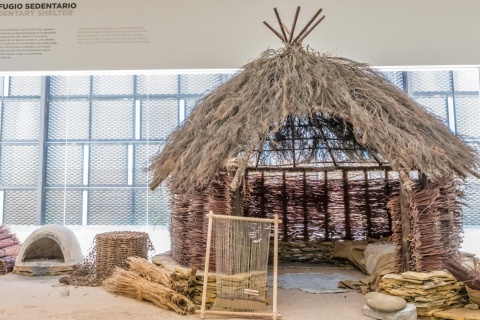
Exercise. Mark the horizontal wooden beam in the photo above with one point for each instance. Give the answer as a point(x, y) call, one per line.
point(319, 169)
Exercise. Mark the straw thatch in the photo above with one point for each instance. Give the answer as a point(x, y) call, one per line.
point(307, 107)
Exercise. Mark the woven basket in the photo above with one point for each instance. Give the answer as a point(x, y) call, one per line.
point(473, 294)
point(113, 249)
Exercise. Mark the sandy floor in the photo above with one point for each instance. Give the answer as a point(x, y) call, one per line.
point(44, 298)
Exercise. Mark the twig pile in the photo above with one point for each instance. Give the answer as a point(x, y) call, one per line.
point(145, 281)
point(9, 249)
point(463, 273)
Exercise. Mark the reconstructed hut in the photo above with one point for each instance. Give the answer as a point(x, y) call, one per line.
point(328, 144)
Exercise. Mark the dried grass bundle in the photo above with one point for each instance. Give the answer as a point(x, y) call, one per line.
point(10, 251)
point(131, 284)
point(343, 99)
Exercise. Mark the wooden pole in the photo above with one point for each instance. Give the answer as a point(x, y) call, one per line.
point(294, 24)
point(346, 200)
point(275, 267)
point(311, 29)
point(207, 262)
point(305, 209)
point(367, 205)
point(307, 25)
point(285, 206)
point(405, 196)
point(274, 31)
point(281, 25)
point(325, 205)
point(387, 196)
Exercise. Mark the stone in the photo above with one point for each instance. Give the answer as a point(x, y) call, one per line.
point(472, 306)
point(408, 313)
point(384, 302)
point(458, 314)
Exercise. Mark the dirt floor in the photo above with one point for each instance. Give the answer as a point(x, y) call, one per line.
point(45, 298)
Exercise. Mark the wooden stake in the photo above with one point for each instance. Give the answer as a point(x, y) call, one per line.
point(308, 25)
point(274, 31)
point(294, 24)
point(281, 25)
point(207, 262)
point(275, 266)
point(405, 220)
point(311, 29)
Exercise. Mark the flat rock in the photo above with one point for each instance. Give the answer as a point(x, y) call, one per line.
point(472, 306)
point(384, 302)
point(408, 313)
point(458, 314)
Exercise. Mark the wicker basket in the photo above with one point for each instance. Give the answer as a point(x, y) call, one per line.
point(473, 294)
point(113, 249)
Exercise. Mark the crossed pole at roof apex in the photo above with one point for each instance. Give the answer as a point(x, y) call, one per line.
point(287, 36)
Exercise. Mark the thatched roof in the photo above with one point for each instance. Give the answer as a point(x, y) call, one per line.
point(298, 99)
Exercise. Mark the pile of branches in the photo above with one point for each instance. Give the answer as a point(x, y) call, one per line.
point(9, 249)
point(143, 280)
point(469, 276)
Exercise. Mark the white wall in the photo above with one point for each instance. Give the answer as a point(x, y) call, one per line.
point(214, 34)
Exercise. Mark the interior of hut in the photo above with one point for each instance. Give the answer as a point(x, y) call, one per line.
point(302, 171)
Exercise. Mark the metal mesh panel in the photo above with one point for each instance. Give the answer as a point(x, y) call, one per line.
point(70, 86)
point(112, 85)
point(471, 214)
point(189, 106)
point(157, 84)
point(19, 165)
point(108, 165)
point(466, 112)
point(58, 169)
point(20, 207)
point(466, 80)
point(431, 81)
point(56, 201)
point(159, 118)
point(110, 207)
point(198, 83)
point(112, 119)
point(158, 207)
point(21, 120)
point(436, 105)
point(142, 160)
point(68, 119)
point(394, 77)
point(25, 86)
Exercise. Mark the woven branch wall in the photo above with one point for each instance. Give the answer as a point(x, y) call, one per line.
point(436, 225)
point(323, 206)
point(189, 225)
point(314, 207)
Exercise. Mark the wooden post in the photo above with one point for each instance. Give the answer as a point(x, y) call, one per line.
point(284, 205)
point(275, 267)
point(325, 205)
point(387, 196)
point(367, 205)
point(262, 196)
point(236, 202)
point(207, 262)
point(405, 196)
point(346, 200)
point(305, 208)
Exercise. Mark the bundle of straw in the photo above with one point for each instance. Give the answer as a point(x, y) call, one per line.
point(9, 242)
point(131, 284)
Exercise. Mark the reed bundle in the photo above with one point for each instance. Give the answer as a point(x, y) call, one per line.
point(13, 250)
point(131, 284)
